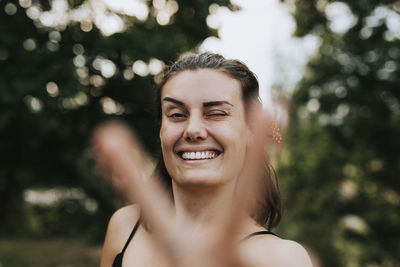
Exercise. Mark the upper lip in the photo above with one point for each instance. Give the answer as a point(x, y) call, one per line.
point(197, 149)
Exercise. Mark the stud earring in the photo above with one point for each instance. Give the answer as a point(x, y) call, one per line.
point(276, 135)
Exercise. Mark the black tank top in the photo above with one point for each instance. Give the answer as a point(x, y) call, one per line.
point(118, 259)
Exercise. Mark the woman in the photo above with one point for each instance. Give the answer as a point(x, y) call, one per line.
point(213, 135)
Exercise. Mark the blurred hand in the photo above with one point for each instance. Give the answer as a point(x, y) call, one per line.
point(119, 152)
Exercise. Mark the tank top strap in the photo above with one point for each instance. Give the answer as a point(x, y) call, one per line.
point(118, 258)
point(130, 236)
point(259, 233)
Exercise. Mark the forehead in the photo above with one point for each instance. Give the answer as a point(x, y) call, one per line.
point(203, 85)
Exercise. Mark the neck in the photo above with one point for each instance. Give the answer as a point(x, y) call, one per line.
point(205, 207)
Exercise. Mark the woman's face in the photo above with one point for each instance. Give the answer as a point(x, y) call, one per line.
point(203, 128)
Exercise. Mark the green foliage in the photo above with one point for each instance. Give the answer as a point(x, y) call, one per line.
point(340, 170)
point(57, 81)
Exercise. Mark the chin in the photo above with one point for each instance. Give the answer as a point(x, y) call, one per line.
point(200, 178)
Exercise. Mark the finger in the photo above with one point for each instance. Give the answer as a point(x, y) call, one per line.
point(248, 185)
point(119, 151)
point(250, 182)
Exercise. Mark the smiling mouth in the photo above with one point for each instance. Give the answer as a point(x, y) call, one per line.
point(191, 155)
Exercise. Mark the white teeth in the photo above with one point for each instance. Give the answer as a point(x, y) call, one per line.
point(199, 155)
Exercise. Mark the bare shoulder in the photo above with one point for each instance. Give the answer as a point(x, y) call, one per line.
point(292, 254)
point(118, 230)
point(124, 219)
point(267, 250)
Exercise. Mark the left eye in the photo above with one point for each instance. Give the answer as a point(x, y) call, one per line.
point(216, 114)
point(176, 115)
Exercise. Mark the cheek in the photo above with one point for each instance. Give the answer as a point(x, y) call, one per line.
point(169, 136)
point(235, 135)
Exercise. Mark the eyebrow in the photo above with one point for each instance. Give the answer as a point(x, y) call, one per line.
point(205, 104)
point(170, 99)
point(216, 103)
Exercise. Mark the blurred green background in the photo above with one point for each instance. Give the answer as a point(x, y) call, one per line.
point(338, 170)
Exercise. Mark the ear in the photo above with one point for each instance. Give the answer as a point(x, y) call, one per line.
point(160, 133)
point(261, 128)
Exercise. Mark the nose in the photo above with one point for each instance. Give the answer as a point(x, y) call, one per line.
point(196, 129)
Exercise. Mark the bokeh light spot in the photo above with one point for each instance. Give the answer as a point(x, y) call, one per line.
point(313, 105)
point(355, 223)
point(52, 47)
point(54, 36)
point(97, 80)
point(110, 106)
point(25, 3)
point(78, 49)
point(29, 44)
point(86, 26)
point(52, 89)
point(128, 74)
point(10, 9)
point(155, 66)
point(137, 8)
point(340, 17)
point(162, 18)
point(79, 61)
point(34, 104)
point(105, 66)
point(140, 68)
point(33, 12)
